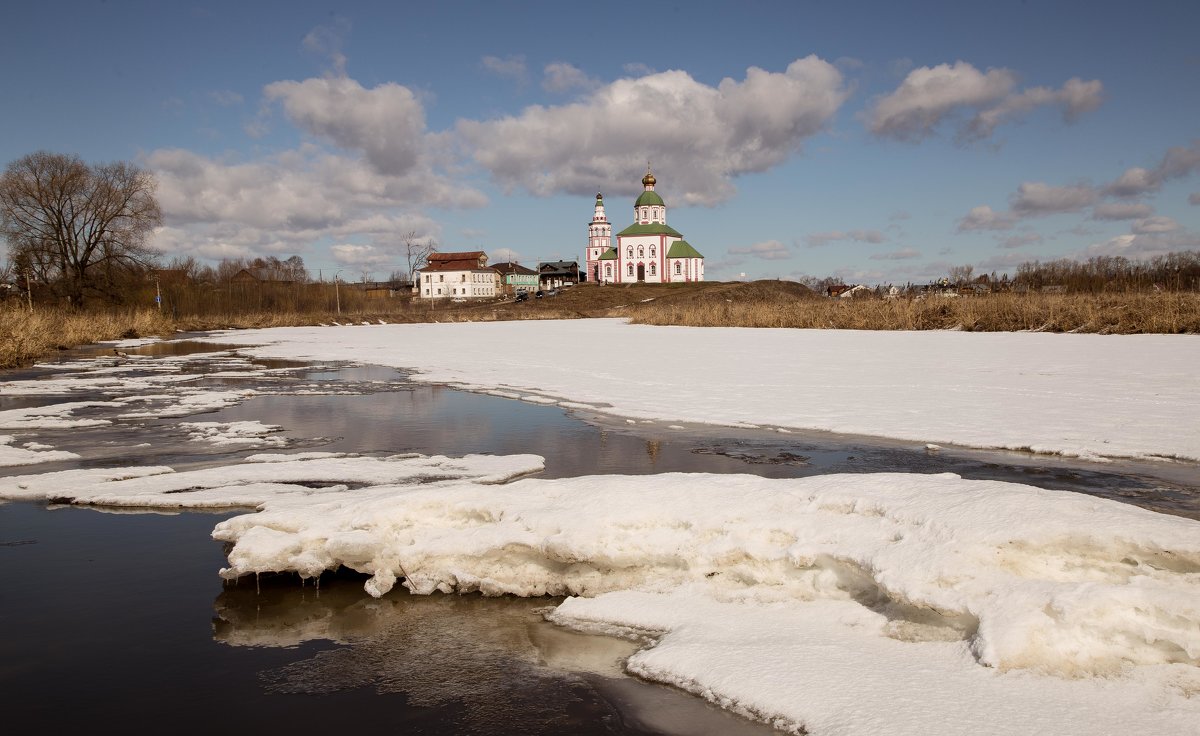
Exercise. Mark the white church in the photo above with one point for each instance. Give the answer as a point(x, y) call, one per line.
point(649, 250)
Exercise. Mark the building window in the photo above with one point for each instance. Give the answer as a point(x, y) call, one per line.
point(652, 251)
point(441, 277)
point(653, 270)
point(629, 253)
point(630, 271)
point(608, 270)
point(427, 277)
point(677, 268)
point(641, 252)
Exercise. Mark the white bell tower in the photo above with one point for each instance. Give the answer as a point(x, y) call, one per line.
point(599, 239)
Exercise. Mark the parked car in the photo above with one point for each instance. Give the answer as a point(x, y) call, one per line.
point(458, 300)
point(552, 292)
point(538, 294)
point(522, 296)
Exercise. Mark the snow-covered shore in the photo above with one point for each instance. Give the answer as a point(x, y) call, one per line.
point(841, 604)
point(1093, 396)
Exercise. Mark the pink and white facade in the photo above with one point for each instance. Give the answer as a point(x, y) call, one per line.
point(649, 250)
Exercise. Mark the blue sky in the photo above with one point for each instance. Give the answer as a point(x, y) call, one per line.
point(874, 141)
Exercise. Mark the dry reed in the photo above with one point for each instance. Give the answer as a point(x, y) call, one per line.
point(26, 337)
point(1162, 313)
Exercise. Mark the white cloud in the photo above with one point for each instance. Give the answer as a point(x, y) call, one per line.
point(860, 236)
point(510, 67)
point(603, 141)
point(768, 250)
point(1133, 182)
point(350, 254)
point(503, 255)
point(287, 203)
point(327, 40)
point(930, 95)
point(563, 77)
point(1153, 225)
point(1144, 245)
point(638, 69)
point(1019, 241)
point(1034, 199)
point(1177, 163)
point(897, 255)
point(984, 217)
point(1121, 211)
point(386, 123)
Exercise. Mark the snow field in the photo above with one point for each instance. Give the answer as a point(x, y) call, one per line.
point(1092, 396)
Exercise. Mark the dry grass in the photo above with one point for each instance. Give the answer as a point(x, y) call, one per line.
point(1162, 313)
point(26, 337)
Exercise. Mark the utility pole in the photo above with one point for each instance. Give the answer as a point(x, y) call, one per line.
point(28, 293)
point(157, 294)
point(336, 295)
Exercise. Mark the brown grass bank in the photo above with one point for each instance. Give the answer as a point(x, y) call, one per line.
point(1160, 313)
point(26, 337)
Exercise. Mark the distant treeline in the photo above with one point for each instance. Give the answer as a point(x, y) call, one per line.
point(1103, 274)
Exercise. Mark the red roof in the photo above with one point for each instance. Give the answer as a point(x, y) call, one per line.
point(467, 261)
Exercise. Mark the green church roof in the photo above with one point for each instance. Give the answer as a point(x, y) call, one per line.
point(682, 249)
point(647, 198)
point(653, 228)
point(609, 255)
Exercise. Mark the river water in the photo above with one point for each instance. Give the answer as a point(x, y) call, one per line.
point(122, 617)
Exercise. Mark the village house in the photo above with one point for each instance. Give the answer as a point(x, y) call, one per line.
point(557, 274)
point(516, 278)
point(649, 250)
point(457, 276)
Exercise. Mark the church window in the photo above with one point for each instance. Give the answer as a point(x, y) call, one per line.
point(630, 271)
point(652, 251)
point(641, 252)
point(653, 270)
point(630, 252)
point(608, 270)
point(677, 268)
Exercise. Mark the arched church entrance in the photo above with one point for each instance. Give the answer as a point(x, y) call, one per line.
point(641, 272)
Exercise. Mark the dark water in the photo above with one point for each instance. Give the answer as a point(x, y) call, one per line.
point(121, 618)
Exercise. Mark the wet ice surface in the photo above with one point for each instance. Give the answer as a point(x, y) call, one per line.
point(369, 409)
point(126, 618)
point(229, 407)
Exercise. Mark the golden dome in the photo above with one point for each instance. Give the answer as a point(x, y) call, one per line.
point(648, 180)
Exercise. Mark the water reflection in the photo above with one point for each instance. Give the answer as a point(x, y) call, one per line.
point(495, 658)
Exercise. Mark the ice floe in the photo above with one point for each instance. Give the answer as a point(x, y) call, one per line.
point(840, 604)
point(999, 594)
point(31, 453)
point(1081, 395)
point(235, 433)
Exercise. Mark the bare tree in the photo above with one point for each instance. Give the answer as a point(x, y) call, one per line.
point(417, 251)
point(960, 275)
point(76, 226)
